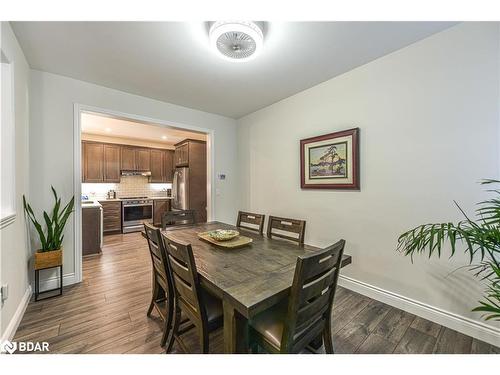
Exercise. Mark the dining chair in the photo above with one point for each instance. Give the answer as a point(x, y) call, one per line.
point(177, 218)
point(282, 227)
point(290, 326)
point(202, 309)
point(163, 293)
point(248, 220)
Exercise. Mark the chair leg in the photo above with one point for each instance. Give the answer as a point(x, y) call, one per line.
point(166, 331)
point(168, 321)
point(254, 347)
point(154, 297)
point(172, 332)
point(204, 341)
point(327, 338)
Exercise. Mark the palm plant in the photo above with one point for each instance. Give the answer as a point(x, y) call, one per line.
point(55, 222)
point(481, 238)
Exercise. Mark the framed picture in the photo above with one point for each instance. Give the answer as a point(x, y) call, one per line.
point(330, 161)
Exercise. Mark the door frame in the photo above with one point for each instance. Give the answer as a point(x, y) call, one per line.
point(77, 156)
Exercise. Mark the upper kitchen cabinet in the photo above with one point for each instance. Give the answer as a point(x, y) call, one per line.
point(92, 162)
point(103, 162)
point(135, 159)
point(181, 154)
point(157, 171)
point(168, 165)
point(111, 163)
point(143, 159)
point(161, 165)
point(128, 159)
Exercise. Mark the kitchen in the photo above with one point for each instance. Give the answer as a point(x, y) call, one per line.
point(134, 173)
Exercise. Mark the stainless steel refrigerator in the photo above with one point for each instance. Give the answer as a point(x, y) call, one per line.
point(180, 189)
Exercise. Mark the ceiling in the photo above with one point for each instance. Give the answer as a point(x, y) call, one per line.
point(118, 128)
point(172, 61)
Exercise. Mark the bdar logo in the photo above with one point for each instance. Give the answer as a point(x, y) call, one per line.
point(8, 347)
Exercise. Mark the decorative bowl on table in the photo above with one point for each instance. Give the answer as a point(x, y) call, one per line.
point(223, 234)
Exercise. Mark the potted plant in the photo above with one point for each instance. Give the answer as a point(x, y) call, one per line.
point(481, 238)
point(50, 253)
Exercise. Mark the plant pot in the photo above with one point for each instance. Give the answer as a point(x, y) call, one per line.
point(48, 259)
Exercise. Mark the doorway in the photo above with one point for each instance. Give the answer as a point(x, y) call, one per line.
point(151, 142)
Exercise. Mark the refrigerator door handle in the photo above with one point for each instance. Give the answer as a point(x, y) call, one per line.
point(175, 189)
point(174, 186)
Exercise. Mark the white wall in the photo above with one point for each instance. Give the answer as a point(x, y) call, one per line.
point(14, 251)
point(51, 146)
point(428, 116)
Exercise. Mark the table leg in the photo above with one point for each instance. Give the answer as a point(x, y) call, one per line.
point(235, 330)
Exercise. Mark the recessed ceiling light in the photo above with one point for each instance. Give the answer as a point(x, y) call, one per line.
point(163, 137)
point(236, 40)
point(108, 130)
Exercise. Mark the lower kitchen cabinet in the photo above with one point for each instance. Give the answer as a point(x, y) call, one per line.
point(160, 206)
point(91, 230)
point(112, 216)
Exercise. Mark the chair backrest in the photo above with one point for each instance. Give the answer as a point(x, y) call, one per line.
point(249, 220)
point(158, 255)
point(178, 217)
point(185, 277)
point(282, 227)
point(311, 297)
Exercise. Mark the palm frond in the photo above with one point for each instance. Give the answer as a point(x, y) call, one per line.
point(480, 239)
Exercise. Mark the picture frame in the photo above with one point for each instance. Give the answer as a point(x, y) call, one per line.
point(330, 161)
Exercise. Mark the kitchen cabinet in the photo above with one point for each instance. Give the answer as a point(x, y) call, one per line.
point(160, 206)
point(128, 158)
point(135, 159)
point(143, 159)
point(157, 166)
point(112, 216)
point(103, 162)
point(111, 163)
point(168, 166)
point(181, 155)
point(91, 230)
point(161, 165)
point(192, 154)
point(92, 162)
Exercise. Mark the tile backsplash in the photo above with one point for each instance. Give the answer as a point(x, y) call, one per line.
point(129, 186)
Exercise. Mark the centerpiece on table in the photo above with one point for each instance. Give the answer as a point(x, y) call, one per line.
point(227, 238)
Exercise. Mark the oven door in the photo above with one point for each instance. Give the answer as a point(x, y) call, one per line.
point(135, 215)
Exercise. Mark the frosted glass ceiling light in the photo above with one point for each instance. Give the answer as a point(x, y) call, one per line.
point(236, 40)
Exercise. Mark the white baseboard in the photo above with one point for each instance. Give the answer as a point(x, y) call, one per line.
point(53, 282)
point(456, 322)
point(11, 329)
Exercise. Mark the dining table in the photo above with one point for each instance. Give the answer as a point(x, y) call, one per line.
point(248, 280)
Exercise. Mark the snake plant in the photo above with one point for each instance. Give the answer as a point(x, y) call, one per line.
point(481, 239)
point(52, 237)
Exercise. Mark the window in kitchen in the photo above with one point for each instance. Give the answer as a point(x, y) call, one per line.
point(7, 143)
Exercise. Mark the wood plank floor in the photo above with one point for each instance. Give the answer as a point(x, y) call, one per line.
point(106, 313)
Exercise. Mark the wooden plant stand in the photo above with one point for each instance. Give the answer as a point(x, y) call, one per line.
point(43, 261)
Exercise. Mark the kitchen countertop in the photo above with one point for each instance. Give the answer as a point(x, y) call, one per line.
point(93, 204)
point(120, 199)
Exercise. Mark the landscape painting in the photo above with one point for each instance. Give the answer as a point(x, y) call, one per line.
point(330, 161)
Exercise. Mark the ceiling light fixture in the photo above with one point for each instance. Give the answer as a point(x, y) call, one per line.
point(163, 137)
point(108, 130)
point(236, 40)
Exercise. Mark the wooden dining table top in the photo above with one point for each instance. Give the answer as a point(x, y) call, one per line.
point(253, 277)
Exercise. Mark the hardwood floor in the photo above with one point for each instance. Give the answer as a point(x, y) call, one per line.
point(106, 313)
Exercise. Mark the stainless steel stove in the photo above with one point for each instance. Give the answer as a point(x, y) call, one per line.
point(135, 212)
